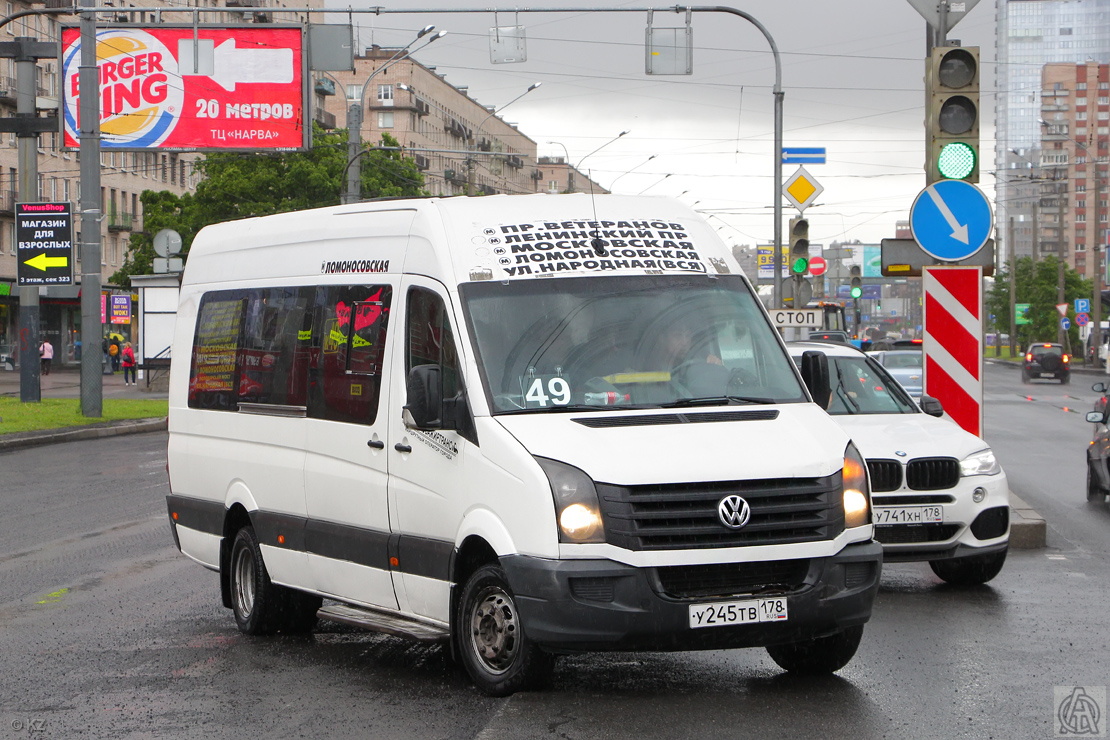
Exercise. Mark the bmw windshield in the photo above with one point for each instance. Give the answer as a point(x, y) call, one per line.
point(629, 341)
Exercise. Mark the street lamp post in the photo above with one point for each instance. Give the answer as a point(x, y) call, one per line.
point(595, 151)
point(470, 163)
point(352, 193)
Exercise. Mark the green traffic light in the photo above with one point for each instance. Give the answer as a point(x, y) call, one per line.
point(857, 292)
point(799, 265)
point(956, 160)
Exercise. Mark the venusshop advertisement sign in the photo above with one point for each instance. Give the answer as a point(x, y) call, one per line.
point(188, 89)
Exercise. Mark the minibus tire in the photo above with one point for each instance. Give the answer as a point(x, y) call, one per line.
point(818, 656)
point(255, 600)
point(491, 642)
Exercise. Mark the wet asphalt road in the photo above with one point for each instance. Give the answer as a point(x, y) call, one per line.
point(107, 631)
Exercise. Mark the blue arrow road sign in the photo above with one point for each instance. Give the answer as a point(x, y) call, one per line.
point(951, 220)
point(803, 155)
point(1082, 305)
point(1065, 323)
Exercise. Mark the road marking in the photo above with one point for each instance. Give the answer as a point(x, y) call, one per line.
point(53, 597)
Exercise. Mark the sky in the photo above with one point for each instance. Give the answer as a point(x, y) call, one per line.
point(852, 74)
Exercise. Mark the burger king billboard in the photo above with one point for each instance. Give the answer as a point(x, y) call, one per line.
point(189, 89)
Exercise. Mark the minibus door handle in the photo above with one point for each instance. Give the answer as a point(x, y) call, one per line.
point(377, 444)
point(402, 447)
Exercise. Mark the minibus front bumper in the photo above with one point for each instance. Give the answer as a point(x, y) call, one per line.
point(597, 605)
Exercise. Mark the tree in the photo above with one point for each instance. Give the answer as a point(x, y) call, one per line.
point(1036, 284)
point(246, 184)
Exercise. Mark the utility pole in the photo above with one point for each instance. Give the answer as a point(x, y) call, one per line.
point(1063, 336)
point(27, 126)
point(92, 380)
point(1013, 288)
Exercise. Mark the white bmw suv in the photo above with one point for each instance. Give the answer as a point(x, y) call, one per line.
point(938, 493)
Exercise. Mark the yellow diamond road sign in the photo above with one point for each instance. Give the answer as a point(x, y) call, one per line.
point(801, 189)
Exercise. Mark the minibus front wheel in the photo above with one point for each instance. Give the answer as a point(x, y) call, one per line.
point(499, 657)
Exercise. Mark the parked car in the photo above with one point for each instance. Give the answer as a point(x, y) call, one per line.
point(1103, 388)
point(905, 366)
point(938, 493)
point(1098, 474)
point(1046, 360)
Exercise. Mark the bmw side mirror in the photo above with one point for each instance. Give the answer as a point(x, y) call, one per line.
point(931, 406)
point(1099, 387)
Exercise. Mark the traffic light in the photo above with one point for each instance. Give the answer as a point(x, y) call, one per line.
point(799, 245)
point(856, 281)
point(952, 114)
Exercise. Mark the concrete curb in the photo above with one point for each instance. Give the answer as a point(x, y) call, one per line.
point(1028, 530)
point(92, 431)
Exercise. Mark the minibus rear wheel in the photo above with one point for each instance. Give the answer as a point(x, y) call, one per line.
point(499, 657)
point(820, 655)
point(255, 600)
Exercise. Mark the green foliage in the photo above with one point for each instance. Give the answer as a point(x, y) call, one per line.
point(1036, 284)
point(247, 184)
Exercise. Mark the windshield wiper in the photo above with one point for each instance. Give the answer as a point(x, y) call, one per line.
point(716, 401)
point(579, 407)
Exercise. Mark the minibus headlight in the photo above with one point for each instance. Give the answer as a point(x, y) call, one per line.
point(576, 506)
point(981, 463)
point(857, 490)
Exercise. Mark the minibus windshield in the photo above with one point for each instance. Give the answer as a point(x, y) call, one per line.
point(625, 342)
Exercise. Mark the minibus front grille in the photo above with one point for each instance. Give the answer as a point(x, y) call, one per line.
point(933, 473)
point(685, 515)
point(732, 579)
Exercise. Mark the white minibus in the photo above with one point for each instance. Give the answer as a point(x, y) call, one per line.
point(522, 425)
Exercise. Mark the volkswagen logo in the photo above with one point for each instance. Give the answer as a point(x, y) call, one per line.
point(734, 512)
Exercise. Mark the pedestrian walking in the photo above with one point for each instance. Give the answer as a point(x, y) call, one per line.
point(46, 355)
point(129, 364)
point(114, 346)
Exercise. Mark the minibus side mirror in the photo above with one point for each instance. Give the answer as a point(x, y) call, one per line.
point(1099, 387)
point(425, 398)
point(815, 373)
point(931, 406)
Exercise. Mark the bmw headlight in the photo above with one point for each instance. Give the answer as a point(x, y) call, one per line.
point(576, 506)
point(981, 463)
point(857, 489)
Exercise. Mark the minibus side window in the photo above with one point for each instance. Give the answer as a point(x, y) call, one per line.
point(430, 339)
point(346, 352)
point(273, 368)
point(214, 367)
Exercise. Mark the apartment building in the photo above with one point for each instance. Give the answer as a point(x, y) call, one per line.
point(1071, 208)
point(1029, 35)
point(462, 146)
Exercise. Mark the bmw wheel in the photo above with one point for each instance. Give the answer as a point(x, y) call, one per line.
point(491, 641)
point(820, 655)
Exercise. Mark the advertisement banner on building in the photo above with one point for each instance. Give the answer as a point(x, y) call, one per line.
point(187, 89)
point(872, 261)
